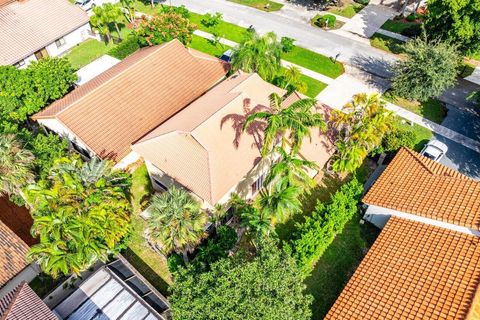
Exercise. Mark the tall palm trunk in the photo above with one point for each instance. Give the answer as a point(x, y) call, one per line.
point(185, 257)
point(118, 31)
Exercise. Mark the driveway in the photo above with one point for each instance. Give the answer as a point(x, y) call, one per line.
point(369, 20)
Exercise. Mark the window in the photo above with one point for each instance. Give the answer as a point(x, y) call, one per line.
point(257, 185)
point(80, 150)
point(60, 42)
point(19, 64)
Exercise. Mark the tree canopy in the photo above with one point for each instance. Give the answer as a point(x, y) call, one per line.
point(457, 21)
point(429, 69)
point(268, 287)
point(81, 214)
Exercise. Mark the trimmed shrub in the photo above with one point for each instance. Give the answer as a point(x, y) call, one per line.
point(318, 231)
point(175, 262)
point(412, 17)
point(125, 48)
point(327, 20)
point(287, 44)
point(227, 237)
point(399, 138)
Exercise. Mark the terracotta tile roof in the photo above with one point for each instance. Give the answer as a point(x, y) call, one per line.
point(413, 271)
point(13, 253)
point(24, 304)
point(28, 26)
point(203, 146)
point(417, 185)
point(121, 105)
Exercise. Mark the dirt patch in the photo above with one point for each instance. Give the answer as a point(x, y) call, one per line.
point(18, 219)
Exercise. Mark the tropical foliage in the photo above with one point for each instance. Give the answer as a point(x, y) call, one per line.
point(16, 166)
point(455, 21)
point(81, 214)
point(318, 231)
point(297, 120)
point(260, 54)
point(429, 69)
point(177, 222)
point(128, 6)
point(268, 286)
point(291, 79)
point(360, 127)
point(163, 27)
point(104, 16)
point(279, 201)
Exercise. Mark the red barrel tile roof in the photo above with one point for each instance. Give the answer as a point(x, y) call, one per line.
point(13, 253)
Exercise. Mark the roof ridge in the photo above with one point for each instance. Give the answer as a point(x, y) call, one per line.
point(210, 191)
point(18, 289)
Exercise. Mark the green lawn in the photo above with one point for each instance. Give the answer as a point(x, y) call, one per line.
point(265, 5)
point(475, 56)
point(314, 87)
point(86, 52)
point(466, 69)
point(386, 43)
point(204, 45)
point(226, 30)
point(337, 265)
point(431, 109)
point(314, 61)
point(402, 27)
point(141, 188)
point(347, 11)
point(423, 134)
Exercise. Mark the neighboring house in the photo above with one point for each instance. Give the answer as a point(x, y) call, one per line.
point(418, 188)
point(14, 267)
point(204, 149)
point(414, 271)
point(35, 29)
point(109, 113)
point(115, 292)
point(425, 264)
point(23, 304)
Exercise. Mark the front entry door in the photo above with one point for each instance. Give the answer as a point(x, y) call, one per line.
point(40, 54)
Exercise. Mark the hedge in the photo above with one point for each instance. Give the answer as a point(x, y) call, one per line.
point(317, 233)
point(125, 48)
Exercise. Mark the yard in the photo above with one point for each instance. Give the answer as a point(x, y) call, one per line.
point(86, 52)
point(431, 109)
point(139, 254)
point(314, 61)
point(403, 27)
point(314, 87)
point(206, 46)
point(339, 261)
point(348, 10)
point(265, 5)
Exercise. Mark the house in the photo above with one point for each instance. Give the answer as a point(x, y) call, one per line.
point(115, 291)
point(35, 29)
point(13, 261)
point(22, 303)
point(418, 188)
point(109, 113)
point(204, 149)
point(425, 264)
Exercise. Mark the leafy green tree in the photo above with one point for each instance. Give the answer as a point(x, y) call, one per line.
point(268, 286)
point(429, 69)
point(280, 201)
point(360, 127)
point(291, 169)
point(298, 119)
point(16, 166)
point(257, 223)
point(260, 54)
point(128, 6)
point(46, 148)
point(291, 80)
point(211, 20)
point(81, 214)
point(105, 15)
point(455, 21)
point(24, 92)
point(177, 222)
point(163, 27)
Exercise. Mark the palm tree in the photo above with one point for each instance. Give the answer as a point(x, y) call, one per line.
point(256, 222)
point(260, 54)
point(218, 213)
point(104, 16)
point(297, 119)
point(128, 5)
point(291, 80)
point(291, 169)
point(81, 215)
point(16, 166)
point(280, 201)
point(177, 222)
point(360, 126)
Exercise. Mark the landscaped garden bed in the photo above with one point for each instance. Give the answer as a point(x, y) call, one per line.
point(326, 22)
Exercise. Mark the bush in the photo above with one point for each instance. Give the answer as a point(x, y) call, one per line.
point(227, 237)
point(125, 48)
point(327, 20)
point(412, 31)
point(287, 44)
point(363, 2)
point(399, 138)
point(318, 231)
point(175, 262)
point(412, 17)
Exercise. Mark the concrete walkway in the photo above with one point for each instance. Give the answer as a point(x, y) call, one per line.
point(366, 22)
point(393, 35)
point(475, 76)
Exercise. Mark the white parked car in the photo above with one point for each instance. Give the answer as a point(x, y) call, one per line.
point(434, 150)
point(85, 4)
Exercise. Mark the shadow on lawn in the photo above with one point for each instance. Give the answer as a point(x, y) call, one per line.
point(145, 270)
